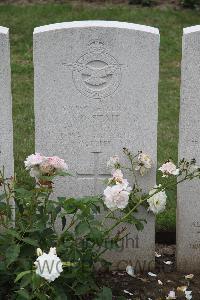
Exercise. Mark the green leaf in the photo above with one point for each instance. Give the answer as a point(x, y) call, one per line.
point(22, 274)
point(26, 280)
point(105, 294)
point(13, 233)
point(82, 228)
point(60, 293)
point(12, 254)
point(70, 205)
point(23, 295)
point(82, 289)
point(36, 280)
point(2, 196)
point(139, 226)
point(30, 242)
point(23, 192)
point(3, 206)
point(61, 199)
point(96, 235)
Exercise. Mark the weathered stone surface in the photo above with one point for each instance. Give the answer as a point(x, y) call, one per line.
point(96, 89)
point(6, 127)
point(188, 207)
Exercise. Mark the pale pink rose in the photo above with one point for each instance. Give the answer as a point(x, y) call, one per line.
point(169, 168)
point(118, 179)
point(57, 163)
point(116, 197)
point(40, 165)
point(33, 160)
point(117, 175)
point(46, 168)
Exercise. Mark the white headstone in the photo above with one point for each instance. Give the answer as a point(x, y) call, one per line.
point(188, 206)
point(6, 127)
point(96, 90)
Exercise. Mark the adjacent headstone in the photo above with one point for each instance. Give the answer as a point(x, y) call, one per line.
point(188, 206)
point(6, 127)
point(96, 90)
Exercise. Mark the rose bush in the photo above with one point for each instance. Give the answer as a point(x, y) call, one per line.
point(39, 262)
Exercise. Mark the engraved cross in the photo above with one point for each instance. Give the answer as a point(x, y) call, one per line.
point(96, 174)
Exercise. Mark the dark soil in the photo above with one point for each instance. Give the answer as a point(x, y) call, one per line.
point(160, 3)
point(144, 287)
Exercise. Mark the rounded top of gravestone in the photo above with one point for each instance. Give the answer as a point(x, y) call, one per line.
point(4, 30)
point(87, 24)
point(191, 29)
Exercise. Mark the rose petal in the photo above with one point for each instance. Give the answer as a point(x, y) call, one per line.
point(127, 292)
point(130, 271)
point(190, 276)
point(157, 255)
point(152, 274)
point(182, 288)
point(168, 262)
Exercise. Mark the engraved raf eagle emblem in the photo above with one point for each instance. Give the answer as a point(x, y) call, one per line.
point(96, 73)
point(96, 76)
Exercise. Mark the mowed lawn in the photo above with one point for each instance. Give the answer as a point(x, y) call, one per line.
point(21, 19)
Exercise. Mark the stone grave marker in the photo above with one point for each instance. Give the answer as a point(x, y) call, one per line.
point(6, 126)
point(6, 130)
point(96, 90)
point(188, 204)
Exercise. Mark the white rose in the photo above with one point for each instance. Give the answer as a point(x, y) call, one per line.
point(116, 196)
point(144, 163)
point(157, 202)
point(49, 266)
point(169, 168)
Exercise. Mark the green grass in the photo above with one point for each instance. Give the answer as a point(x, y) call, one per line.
point(22, 19)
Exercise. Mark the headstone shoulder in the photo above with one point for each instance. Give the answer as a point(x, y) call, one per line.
point(105, 24)
point(4, 30)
